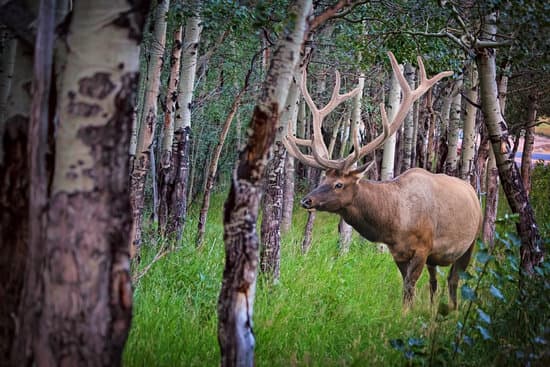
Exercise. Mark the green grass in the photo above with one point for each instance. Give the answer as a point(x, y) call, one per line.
point(327, 310)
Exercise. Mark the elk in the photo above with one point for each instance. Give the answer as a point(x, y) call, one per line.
point(424, 218)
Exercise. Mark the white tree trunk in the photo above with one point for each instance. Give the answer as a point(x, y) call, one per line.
point(532, 248)
point(408, 124)
point(288, 194)
point(344, 229)
point(141, 164)
point(453, 131)
point(388, 159)
point(469, 132)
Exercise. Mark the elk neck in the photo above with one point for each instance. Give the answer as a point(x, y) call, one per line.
point(374, 210)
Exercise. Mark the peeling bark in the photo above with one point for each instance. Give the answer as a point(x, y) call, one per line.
point(270, 255)
point(408, 125)
point(345, 231)
point(528, 143)
point(388, 160)
point(531, 249)
point(177, 185)
point(469, 139)
point(491, 201)
point(142, 162)
point(451, 163)
point(274, 196)
point(290, 164)
point(85, 305)
point(442, 147)
point(165, 169)
point(236, 300)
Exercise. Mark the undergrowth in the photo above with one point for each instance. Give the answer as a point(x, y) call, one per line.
point(332, 309)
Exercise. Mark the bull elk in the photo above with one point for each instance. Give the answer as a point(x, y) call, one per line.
point(423, 218)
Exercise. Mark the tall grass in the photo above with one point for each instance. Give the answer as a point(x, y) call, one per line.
point(332, 309)
point(328, 309)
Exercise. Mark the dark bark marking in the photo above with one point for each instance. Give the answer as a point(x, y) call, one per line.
point(133, 19)
point(97, 86)
point(263, 127)
point(84, 109)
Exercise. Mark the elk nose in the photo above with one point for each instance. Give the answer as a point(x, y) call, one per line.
point(306, 203)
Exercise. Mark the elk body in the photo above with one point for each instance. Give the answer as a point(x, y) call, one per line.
point(424, 218)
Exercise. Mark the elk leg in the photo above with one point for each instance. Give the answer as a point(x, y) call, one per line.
point(459, 266)
point(433, 281)
point(413, 270)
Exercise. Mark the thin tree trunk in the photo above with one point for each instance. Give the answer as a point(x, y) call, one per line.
point(165, 169)
point(431, 149)
point(528, 143)
point(416, 132)
point(236, 300)
point(451, 164)
point(469, 137)
point(154, 183)
point(33, 292)
point(388, 159)
point(178, 186)
point(308, 229)
point(531, 250)
point(274, 197)
point(408, 125)
point(288, 194)
point(301, 127)
point(85, 300)
point(345, 231)
point(491, 201)
point(213, 167)
point(270, 254)
point(194, 149)
point(14, 197)
point(142, 162)
point(442, 148)
point(14, 204)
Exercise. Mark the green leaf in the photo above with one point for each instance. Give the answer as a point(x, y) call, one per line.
point(484, 332)
point(496, 293)
point(483, 316)
point(468, 293)
point(483, 257)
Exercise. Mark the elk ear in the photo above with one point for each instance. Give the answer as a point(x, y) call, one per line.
point(359, 172)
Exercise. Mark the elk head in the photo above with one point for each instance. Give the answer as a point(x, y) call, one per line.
point(338, 188)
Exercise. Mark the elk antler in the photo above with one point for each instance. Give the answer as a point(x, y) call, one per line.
point(319, 157)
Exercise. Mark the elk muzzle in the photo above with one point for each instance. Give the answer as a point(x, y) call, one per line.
point(307, 203)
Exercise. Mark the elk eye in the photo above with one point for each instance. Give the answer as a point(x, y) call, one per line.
point(338, 185)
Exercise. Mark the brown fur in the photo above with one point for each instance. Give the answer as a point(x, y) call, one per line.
point(423, 218)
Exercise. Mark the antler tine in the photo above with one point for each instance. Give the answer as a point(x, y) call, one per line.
point(290, 143)
point(335, 100)
point(318, 148)
point(409, 97)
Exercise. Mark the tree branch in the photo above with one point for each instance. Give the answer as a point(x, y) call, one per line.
point(329, 13)
point(491, 44)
